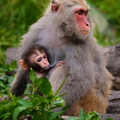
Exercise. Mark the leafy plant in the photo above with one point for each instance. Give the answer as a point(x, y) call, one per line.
point(37, 106)
point(6, 81)
point(16, 16)
point(88, 116)
point(111, 35)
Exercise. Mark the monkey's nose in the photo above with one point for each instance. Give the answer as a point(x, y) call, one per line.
point(87, 24)
point(46, 63)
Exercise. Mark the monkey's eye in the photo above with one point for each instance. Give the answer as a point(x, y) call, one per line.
point(44, 56)
point(86, 13)
point(80, 12)
point(39, 59)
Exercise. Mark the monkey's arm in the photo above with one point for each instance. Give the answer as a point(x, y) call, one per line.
point(20, 82)
point(59, 63)
point(56, 64)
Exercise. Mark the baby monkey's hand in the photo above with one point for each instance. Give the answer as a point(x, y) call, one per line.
point(59, 63)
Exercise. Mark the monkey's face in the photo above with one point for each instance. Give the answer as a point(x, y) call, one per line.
point(39, 59)
point(74, 18)
point(42, 61)
point(82, 22)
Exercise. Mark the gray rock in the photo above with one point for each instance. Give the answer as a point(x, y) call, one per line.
point(113, 116)
point(12, 54)
point(114, 95)
point(116, 83)
point(114, 102)
point(112, 55)
point(113, 108)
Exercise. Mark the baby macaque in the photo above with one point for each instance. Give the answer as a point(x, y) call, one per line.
point(36, 58)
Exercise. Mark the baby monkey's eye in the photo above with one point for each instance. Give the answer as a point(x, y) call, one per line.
point(39, 59)
point(44, 56)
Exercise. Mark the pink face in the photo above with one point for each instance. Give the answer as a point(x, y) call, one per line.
point(81, 18)
point(41, 60)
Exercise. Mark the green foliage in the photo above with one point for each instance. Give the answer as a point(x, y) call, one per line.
point(15, 18)
point(88, 116)
point(6, 81)
point(37, 106)
point(110, 11)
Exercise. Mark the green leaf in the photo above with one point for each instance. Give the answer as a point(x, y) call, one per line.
point(11, 79)
point(59, 103)
point(4, 68)
point(17, 111)
point(6, 115)
point(1, 84)
point(53, 115)
point(38, 81)
point(13, 65)
point(9, 93)
point(64, 109)
point(25, 103)
point(87, 116)
point(45, 87)
point(51, 92)
point(61, 119)
point(93, 114)
point(32, 76)
point(50, 97)
point(28, 88)
point(71, 118)
point(4, 102)
point(58, 98)
point(38, 98)
point(109, 119)
point(98, 117)
point(82, 115)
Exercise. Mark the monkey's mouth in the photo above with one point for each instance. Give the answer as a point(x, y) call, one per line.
point(46, 68)
point(84, 32)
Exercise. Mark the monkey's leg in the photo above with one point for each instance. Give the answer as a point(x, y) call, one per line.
point(56, 79)
point(93, 100)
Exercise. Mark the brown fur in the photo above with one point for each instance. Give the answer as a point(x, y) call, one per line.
point(88, 84)
point(1, 98)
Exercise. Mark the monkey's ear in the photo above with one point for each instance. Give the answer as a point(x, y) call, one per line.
point(23, 65)
point(54, 6)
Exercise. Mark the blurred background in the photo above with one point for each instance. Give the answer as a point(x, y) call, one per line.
point(16, 16)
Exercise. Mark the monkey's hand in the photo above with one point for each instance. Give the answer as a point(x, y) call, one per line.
point(59, 63)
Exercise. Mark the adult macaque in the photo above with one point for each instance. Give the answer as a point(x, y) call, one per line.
point(65, 31)
point(36, 58)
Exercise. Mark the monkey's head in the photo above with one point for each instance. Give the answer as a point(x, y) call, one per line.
point(36, 58)
point(72, 18)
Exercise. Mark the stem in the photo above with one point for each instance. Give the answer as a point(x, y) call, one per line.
point(33, 92)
